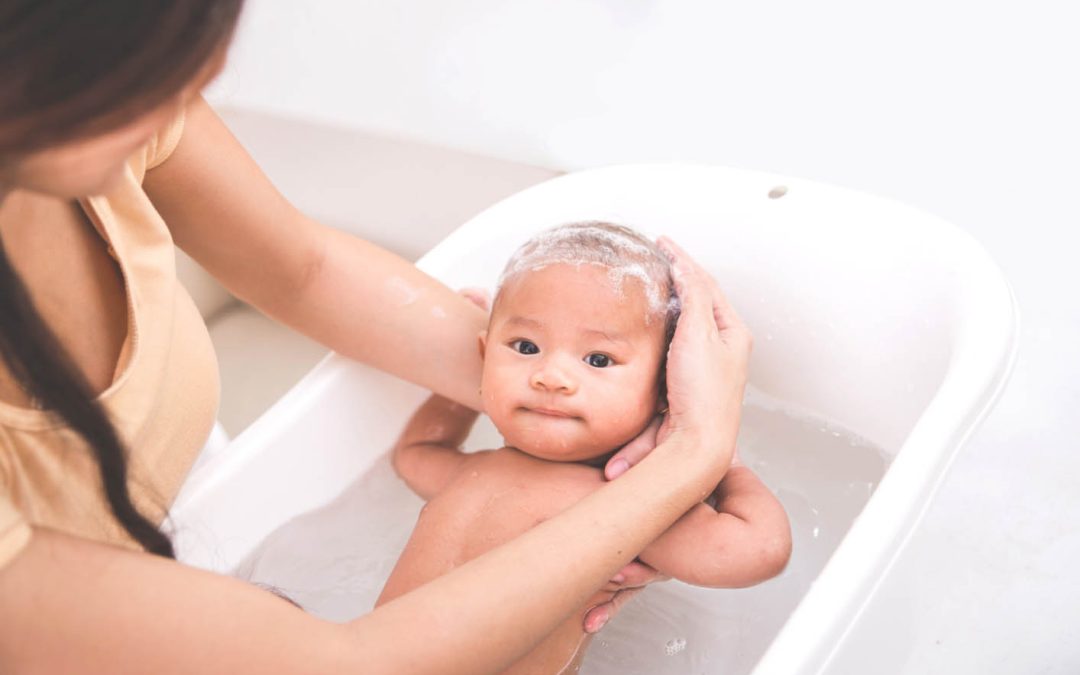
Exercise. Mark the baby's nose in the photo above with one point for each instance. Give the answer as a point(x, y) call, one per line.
point(553, 376)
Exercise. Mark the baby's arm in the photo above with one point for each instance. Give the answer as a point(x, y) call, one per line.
point(742, 540)
point(428, 454)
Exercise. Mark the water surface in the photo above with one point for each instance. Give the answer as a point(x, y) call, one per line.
point(333, 561)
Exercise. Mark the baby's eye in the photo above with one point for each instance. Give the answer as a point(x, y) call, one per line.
point(598, 360)
point(524, 347)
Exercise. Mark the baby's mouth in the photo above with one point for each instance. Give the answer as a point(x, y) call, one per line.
point(551, 412)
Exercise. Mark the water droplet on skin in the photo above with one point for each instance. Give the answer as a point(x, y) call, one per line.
point(402, 293)
point(438, 312)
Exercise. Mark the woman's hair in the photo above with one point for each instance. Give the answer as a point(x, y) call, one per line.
point(74, 68)
point(71, 69)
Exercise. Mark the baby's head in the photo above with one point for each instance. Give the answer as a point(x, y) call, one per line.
point(574, 352)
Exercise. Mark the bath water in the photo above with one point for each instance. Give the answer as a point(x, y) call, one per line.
point(333, 561)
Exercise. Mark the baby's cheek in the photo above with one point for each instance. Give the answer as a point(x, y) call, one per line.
point(637, 414)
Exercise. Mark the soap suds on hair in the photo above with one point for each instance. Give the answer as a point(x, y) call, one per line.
point(622, 251)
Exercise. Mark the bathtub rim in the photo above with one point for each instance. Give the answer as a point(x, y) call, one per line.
point(976, 376)
point(829, 609)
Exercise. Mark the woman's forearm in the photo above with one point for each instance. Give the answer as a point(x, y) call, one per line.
point(352, 296)
point(373, 306)
point(494, 607)
point(71, 605)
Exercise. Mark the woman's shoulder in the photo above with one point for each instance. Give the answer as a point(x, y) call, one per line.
point(159, 148)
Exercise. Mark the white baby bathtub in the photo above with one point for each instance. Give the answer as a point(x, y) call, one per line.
point(884, 321)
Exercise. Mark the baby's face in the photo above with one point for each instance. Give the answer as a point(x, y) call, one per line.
point(571, 362)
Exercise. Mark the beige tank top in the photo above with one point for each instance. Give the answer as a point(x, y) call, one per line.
point(163, 399)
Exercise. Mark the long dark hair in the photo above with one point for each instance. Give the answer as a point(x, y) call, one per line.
point(71, 69)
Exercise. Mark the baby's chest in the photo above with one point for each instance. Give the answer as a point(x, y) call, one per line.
point(494, 502)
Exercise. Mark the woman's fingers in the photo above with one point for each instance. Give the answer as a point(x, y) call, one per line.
point(634, 451)
point(728, 322)
point(693, 286)
point(637, 574)
point(724, 315)
point(478, 296)
point(633, 578)
point(708, 358)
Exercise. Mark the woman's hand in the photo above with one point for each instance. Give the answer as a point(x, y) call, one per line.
point(630, 581)
point(711, 341)
point(706, 367)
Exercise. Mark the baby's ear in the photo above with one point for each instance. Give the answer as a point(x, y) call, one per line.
point(482, 342)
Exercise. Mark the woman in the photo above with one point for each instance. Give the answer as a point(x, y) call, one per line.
point(108, 385)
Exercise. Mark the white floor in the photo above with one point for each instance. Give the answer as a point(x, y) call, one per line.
point(990, 573)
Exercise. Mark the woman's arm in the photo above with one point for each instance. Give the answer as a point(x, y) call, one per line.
point(69, 605)
point(354, 297)
point(739, 537)
point(428, 452)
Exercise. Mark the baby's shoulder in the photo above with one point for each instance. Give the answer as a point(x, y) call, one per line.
point(509, 462)
point(516, 476)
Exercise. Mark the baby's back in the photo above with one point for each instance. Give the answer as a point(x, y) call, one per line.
point(496, 496)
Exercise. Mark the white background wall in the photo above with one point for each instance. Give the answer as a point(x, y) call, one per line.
point(965, 109)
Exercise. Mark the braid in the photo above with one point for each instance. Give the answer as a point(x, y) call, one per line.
point(46, 371)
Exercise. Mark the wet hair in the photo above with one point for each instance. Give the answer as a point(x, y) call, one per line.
point(71, 69)
point(624, 252)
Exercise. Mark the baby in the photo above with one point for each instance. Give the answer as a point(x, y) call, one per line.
point(573, 370)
